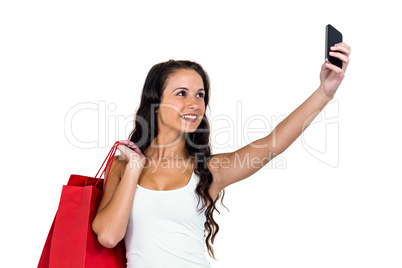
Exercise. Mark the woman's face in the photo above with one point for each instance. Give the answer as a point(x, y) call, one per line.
point(183, 95)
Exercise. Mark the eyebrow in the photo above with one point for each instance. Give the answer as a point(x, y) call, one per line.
point(201, 89)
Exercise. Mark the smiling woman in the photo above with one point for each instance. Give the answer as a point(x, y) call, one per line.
point(156, 208)
point(170, 128)
point(183, 97)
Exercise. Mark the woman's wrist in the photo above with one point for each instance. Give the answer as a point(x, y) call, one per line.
point(133, 169)
point(325, 97)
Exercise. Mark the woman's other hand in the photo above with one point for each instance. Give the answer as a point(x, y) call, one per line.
point(132, 154)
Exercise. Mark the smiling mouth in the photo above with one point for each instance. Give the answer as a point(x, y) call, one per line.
point(190, 117)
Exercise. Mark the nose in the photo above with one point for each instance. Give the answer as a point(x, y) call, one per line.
point(192, 104)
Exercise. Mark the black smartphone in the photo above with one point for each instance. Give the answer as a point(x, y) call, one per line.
point(332, 37)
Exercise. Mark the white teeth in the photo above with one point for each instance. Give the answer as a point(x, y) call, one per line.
point(189, 116)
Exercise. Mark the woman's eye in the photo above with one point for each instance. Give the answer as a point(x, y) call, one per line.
point(184, 93)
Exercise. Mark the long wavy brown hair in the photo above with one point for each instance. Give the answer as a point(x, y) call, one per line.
point(197, 143)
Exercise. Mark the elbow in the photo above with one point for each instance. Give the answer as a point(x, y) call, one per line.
point(274, 152)
point(106, 239)
point(277, 152)
point(278, 148)
point(274, 147)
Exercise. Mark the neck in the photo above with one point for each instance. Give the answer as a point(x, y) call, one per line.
point(167, 148)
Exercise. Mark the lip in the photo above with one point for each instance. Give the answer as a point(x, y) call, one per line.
point(190, 120)
point(191, 114)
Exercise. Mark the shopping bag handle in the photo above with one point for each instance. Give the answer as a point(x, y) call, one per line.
point(109, 158)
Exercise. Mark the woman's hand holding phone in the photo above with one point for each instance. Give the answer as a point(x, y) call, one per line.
point(331, 76)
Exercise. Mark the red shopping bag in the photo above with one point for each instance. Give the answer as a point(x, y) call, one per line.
point(71, 243)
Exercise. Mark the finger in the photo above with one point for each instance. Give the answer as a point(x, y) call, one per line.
point(344, 44)
point(121, 149)
point(324, 70)
point(137, 150)
point(334, 68)
point(131, 145)
point(342, 48)
point(128, 143)
point(125, 142)
point(124, 152)
point(324, 67)
point(342, 57)
point(135, 147)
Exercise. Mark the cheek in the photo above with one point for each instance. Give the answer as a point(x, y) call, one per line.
point(171, 111)
point(171, 107)
point(176, 108)
point(202, 107)
point(168, 114)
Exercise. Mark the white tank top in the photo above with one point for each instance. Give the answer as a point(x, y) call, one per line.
point(165, 229)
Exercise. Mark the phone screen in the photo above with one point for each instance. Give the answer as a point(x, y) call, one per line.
point(332, 37)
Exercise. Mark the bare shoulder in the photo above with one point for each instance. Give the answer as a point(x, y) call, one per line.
point(216, 162)
point(213, 163)
point(115, 174)
point(117, 167)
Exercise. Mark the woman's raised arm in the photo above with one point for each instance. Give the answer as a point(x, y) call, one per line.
point(229, 168)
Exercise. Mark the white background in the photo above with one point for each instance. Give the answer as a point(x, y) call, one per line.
point(337, 200)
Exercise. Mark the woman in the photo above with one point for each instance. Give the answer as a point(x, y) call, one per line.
point(161, 196)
